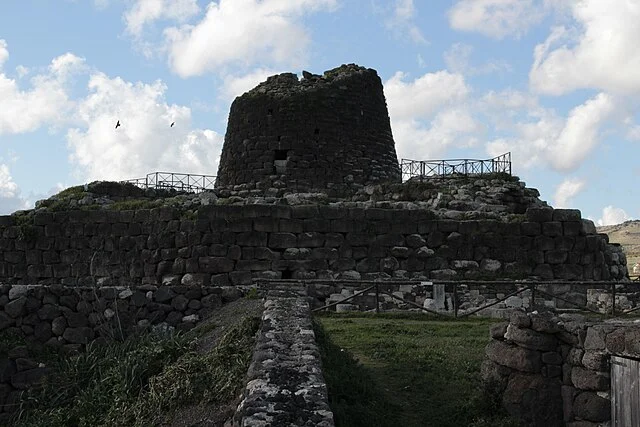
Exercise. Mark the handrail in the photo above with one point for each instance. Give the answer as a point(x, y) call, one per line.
point(451, 167)
point(190, 183)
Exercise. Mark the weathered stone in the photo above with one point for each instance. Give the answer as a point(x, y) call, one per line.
point(591, 407)
point(16, 307)
point(586, 379)
point(180, 303)
point(534, 400)
point(531, 339)
point(27, 379)
point(498, 330)
point(595, 360)
point(513, 356)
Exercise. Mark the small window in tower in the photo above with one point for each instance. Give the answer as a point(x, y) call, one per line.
point(280, 154)
point(287, 274)
point(317, 131)
point(270, 112)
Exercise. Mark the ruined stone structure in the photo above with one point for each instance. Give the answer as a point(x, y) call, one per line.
point(555, 371)
point(327, 132)
point(308, 188)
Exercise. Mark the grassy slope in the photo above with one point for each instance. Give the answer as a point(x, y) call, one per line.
point(145, 380)
point(628, 235)
point(413, 371)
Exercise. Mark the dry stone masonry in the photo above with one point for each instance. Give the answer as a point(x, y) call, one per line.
point(555, 370)
point(328, 132)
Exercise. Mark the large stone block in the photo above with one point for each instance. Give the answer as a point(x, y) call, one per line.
point(586, 379)
point(528, 338)
point(514, 356)
point(282, 240)
point(591, 407)
point(216, 264)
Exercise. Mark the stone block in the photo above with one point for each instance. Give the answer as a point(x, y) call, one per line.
point(591, 407)
point(533, 340)
point(586, 379)
point(566, 215)
point(216, 264)
point(514, 356)
point(552, 228)
point(282, 240)
point(541, 214)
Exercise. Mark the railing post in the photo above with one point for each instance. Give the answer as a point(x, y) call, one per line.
point(533, 297)
point(455, 300)
point(613, 300)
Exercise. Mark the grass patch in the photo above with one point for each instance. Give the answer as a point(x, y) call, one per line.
point(415, 371)
point(141, 381)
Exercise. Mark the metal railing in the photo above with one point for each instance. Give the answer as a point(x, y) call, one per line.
point(538, 293)
point(184, 182)
point(451, 167)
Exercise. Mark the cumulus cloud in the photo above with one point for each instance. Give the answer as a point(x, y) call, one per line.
point(429, 114)
point(597, 51)
point(144, 142)
point(567, 190)
point(144, 12)
point(45, 103)
point(424, 95)
point(402, 20)
point(10, 198)
point(495, 18)
point(4, 52)
point(242, 32)
point(458, 59)
point(581, 133)
point(236, 85)
point(612, 215)
point(538, 135)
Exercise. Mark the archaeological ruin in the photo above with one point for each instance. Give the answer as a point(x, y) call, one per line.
point(309, 192)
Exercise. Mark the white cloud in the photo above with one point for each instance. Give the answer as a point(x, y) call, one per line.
point(567, 190)
point(144, 142)
point(581, 133)
point(237, 85)
point(402, 20)
point(144, 12)
point(430, 114)
point(612, 215)
point(46, 102)
point(242, 32)
point(10, 198)
point(495, 18)
point(424, 95)
point(542, 136)
point(4, 52)
point(599, 51)
point(458, 57)
point(101, 4)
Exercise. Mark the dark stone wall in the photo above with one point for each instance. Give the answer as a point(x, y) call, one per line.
point(322, 132)
point(234, 245)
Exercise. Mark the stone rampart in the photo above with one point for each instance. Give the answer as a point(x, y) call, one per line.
point(235, 245)
point(555, 371)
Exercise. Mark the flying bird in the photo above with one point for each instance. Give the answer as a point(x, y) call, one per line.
point(118, 124)
point(172, 123)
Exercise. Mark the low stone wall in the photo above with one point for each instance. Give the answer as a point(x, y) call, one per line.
point(555, 371)
point(285, 383)
point(67, 318)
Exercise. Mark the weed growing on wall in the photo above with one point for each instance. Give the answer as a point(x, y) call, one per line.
point(139, 381)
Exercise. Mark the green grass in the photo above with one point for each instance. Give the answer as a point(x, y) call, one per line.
point(406, 371)
point(141, 381)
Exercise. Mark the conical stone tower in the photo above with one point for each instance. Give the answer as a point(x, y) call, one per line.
point(328, 133)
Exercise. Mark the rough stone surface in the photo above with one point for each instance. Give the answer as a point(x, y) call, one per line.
point(285, 384)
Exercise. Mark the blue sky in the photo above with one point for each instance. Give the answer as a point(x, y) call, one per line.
point(555, 82)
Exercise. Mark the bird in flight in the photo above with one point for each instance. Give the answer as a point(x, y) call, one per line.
point(118, 124)
point(172, 123)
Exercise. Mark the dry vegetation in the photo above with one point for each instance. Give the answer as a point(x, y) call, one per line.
point(626, 234)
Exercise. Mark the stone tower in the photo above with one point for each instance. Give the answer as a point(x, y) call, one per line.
point(328, 132)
